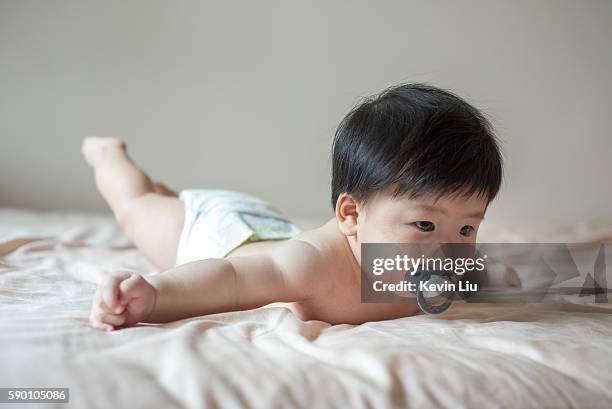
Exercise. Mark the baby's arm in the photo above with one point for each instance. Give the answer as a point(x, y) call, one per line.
point(289, 272)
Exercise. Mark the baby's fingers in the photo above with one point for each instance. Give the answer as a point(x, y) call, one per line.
point(110, 291)
point(96, 322)
point(106, 321)
point(101, 326)
point(131, 288)
point(115, 320)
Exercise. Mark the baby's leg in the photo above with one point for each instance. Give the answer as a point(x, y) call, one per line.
point(150, 214)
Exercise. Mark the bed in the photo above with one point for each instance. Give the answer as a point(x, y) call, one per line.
point(473, 355)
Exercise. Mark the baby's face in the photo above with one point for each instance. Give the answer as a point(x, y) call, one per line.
point(385, 219)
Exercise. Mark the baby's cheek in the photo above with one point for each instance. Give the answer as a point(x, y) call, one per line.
point(387, 230)
point(402, 234)
point(371, 231)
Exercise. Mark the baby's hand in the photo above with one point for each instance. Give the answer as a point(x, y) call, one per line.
point(122, 298)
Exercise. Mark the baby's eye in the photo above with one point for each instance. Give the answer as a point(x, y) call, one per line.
point(466, 231)
point(425, 226)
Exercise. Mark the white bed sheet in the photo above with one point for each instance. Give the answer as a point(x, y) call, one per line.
point(494, 356)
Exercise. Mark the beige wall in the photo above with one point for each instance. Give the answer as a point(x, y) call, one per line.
point(246, 95)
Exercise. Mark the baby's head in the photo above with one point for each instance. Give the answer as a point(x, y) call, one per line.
point(414, 164)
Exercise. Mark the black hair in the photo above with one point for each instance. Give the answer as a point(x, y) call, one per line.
point(418, 140)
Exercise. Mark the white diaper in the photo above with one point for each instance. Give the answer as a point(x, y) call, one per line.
point(218, 221)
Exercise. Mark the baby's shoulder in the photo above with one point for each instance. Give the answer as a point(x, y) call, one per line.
point(313, 252)
point(310, 252)
point(320, 243)
point(298, 253)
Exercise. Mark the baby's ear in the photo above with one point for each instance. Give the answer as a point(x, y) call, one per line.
point(347, 212)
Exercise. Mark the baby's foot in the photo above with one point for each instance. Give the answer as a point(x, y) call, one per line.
point(96, 148)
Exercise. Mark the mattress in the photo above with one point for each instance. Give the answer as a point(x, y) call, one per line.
point(473, 355)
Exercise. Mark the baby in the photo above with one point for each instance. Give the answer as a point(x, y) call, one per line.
point(413, 164)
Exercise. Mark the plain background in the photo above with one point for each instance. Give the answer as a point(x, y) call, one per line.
point(247, 95)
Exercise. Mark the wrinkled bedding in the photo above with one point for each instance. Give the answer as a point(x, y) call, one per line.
point(474, 355)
